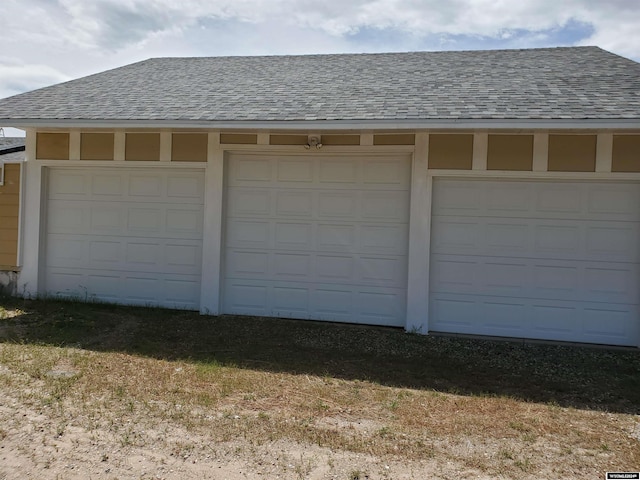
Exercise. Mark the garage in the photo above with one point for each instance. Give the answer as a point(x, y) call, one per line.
point(320, 237)
point(555, 260)
point(125, 235)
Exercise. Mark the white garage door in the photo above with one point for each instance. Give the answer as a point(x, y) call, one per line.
point(317, 237)
point(546, 260)
point(124, 235)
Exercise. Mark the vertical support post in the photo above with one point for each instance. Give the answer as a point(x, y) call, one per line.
point(480, 151)
point(29, 279)
point(419, 237)
point(119, 145)
point(165, 146)
point(604, 152)
point(74, 145)
point(212, 228)
point(366, 139)
point(540, 152)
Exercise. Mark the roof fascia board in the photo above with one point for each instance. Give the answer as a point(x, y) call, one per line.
point(632, 123)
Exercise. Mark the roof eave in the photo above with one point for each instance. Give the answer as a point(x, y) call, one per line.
point(455, 124)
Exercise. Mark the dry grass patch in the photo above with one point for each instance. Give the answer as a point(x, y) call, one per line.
point(307, 400)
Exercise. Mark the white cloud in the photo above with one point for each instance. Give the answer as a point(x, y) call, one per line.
point(56, 39)
point(16, 78)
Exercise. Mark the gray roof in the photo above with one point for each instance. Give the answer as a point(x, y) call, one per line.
point(11, 142)
point(574, 83)
point(8, 144)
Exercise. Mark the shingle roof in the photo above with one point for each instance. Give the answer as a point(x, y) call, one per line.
point(551, 83)
point(8, 146)
point(11, 142)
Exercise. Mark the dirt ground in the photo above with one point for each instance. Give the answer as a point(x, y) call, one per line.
point(34, 446)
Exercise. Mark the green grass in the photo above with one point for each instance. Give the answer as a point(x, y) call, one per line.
point(495, 408)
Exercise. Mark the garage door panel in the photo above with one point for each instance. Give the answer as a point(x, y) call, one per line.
point(146, 185)
point(189, 188)
point(250, 171)
point(388, 207)
point(111, 247)
point(614, 202)
point(293, 236)
point(336, 237)
point(531, 318)
point(511, 200)
point(320, 230)
point(293, 204)
point(560, 198)
point(249, 233)
point(64, 216)
point(248, 202)
point(569, 269)
point(108, 185)
point(68, 186)
point(538, 238)
point(294, 170)
point(343, 205)
point(338, 171)
point(387, 172)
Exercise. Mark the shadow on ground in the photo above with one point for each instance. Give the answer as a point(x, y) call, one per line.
point(580, 377)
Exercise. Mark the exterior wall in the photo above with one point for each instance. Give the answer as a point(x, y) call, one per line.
point(510, 152)
point(142, 147)
point(96, 146)
point(570, 155)
point(189, 147)
point(626, 153)
point(9, 217)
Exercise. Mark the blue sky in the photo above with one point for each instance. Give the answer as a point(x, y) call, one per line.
point(50, 41)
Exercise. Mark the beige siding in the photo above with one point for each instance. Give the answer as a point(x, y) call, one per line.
point(96, 146)
point(9, 208)
point(239, 138)
point(394, 139)
point(142, 147)
point(289, 139)
point(572, 153)
point(52, 146)
point(189, 147)
point(510, 152)
point(626, 153)
point(330, 139)
point(451, 151)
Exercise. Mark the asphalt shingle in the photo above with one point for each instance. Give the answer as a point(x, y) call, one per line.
point(553, 83)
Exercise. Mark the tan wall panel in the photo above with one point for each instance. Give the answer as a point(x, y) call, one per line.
point(572, 153)
point(96, 146)
point(7, 211)
point(340, 139)
point(451, 151)
point(239, 138)
point(288, 139)
point(510, 152)
point(11, 178)
point(189, 147)
point(9, 198)
point(10, 234)
point(52, 146)
point(626, 153)
point(9, 223)
point(142, 147)
point(394, 139)
point(7, 260)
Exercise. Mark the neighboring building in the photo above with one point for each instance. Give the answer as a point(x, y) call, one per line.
point(485, 192)
point(11, 158)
